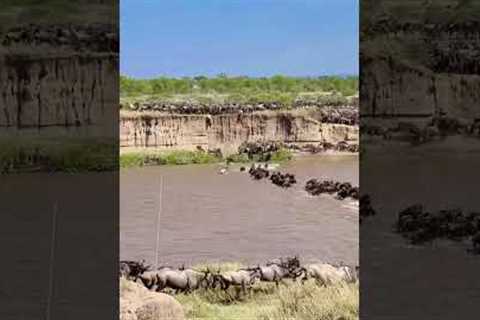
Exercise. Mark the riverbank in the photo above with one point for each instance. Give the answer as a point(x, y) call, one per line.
point(228, 131)
point(57, 155)
point(290, 300)
point(144, 157)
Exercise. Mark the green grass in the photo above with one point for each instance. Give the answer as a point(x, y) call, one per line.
point(281, 89)
point(177, 157)
point(183, 157)
point(281, 155)
point(58, 155)
point(239, 158)
point(265, 302)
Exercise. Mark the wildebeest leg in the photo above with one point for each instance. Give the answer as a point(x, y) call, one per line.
point(321, 283)
point(276, 278)
point(225, 289)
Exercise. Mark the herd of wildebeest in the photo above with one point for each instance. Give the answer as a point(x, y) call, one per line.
point(186, 280)
point(314, 187)
point(420, 226)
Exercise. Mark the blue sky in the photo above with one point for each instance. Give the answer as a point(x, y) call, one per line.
point(239, 37)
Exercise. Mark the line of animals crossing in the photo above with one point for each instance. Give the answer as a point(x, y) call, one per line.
point(420, 226)
point(186, 280)
point(314, 187)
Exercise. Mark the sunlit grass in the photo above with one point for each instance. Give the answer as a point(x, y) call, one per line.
point(292, 300)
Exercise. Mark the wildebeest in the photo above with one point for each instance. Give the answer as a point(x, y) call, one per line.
point(132, 269)
point(183, 280)
point(150, 278)
point(289, 262)
point(283, 180)
point(326, 274)
point(275, 273)
point(243, 278)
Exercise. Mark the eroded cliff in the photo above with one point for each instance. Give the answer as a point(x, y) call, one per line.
point(58, 77)
point(420, 59)
point(228, 131)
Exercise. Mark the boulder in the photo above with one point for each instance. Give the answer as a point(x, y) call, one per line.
point(138, 303)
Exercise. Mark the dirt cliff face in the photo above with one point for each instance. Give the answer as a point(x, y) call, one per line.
point(71, 91)
point(400, 90)
point(416, 63)
point(228, 131)
point(56, 77)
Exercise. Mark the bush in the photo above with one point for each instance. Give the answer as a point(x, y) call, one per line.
point(281, 155)
point(280, 89)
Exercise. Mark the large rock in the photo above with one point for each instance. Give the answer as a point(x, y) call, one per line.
point(138, 303)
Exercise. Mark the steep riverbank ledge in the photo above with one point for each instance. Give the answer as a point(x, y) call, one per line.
point(425, 82)
point(57, 76)
point(308, 128)
point(57, 90)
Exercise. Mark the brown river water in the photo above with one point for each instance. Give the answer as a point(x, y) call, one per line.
point(439, 280)
point(209, 217)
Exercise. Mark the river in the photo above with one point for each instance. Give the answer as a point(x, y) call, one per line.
point(433, 281)
point(208, 217)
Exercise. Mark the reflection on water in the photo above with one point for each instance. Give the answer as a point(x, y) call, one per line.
point(210, 217)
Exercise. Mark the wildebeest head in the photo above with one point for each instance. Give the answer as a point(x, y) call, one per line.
point(132, 269)
point(298, 272)
point(124, 269)
point(208, 279)
point(217, 279)
point(294, 262)
point(255, 274)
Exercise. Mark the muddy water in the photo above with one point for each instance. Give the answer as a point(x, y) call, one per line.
point(210, 217)
point(434, 281)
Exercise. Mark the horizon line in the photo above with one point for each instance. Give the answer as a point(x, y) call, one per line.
point(240, 76)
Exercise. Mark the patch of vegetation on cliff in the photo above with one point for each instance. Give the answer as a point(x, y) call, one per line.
point(57, 156)
point(130, 159)
point(280, 155)
point(293, 300)
point(177, 157)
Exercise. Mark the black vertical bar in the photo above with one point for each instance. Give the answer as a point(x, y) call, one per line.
point(59, 151)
